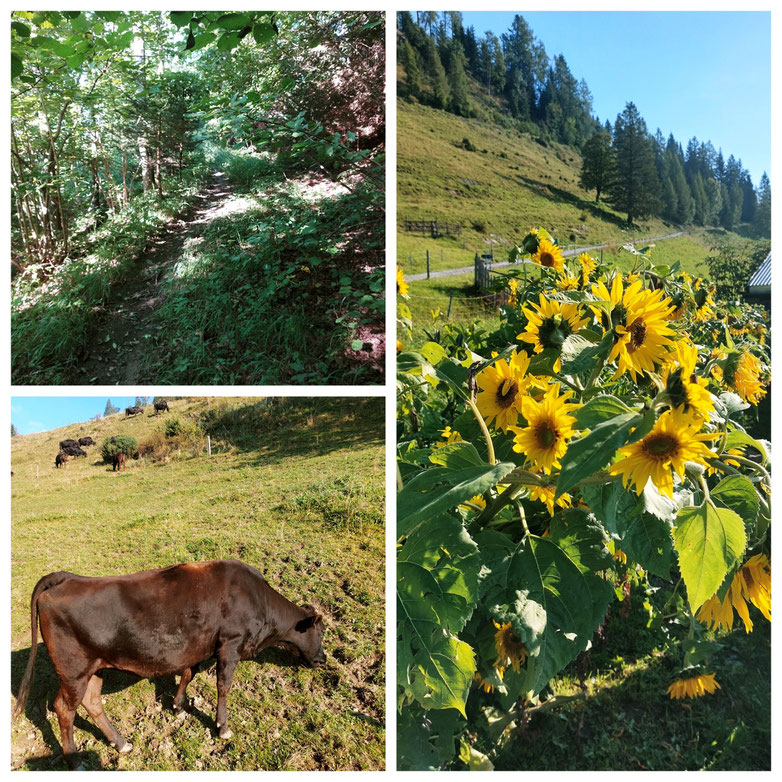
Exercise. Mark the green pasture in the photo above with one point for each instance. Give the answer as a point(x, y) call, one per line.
point(292, 487)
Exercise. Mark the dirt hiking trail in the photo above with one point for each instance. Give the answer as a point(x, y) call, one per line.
point(115, 353)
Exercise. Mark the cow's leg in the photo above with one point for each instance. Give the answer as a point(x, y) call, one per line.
point(65, 705)
point(225, 674)
point(92, 703)
point(179, 698)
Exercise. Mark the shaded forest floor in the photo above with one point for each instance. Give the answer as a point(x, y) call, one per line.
point(117, 352)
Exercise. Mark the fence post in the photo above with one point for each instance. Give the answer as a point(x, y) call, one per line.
point(427, 264)
point(450, 301)
point(410, 258)
point(442, 260)
point(208, 445)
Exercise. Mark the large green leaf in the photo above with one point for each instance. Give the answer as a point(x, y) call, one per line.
point(739, 494)
point(553, 606)
point(426, 741)
point(580, 355)
point(16, 66)
point(647, 540)
point(709, 542)
point(582, 537)
point(599, 409)
point(436, 491)
point(737, 439)
point(434, 667)
point(594, 451)
point(437, 574)
point(457, 456)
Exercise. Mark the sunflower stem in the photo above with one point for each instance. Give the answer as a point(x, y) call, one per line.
point(499, 502)
point(704, 486)
point(758, 468)
point(595, 374)
point(399, 482)
point(485, 430)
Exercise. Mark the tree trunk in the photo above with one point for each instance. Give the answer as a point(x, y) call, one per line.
point(147, 180)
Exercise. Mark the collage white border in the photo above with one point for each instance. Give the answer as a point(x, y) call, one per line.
point(389, 389)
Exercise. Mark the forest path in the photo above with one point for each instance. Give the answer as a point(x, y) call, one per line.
point(115, 356)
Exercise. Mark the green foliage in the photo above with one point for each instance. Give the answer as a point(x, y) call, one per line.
point(732, 262)
point(119, 443)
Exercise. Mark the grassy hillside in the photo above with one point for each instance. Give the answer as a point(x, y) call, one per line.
point(295, 489)
point(509, 184)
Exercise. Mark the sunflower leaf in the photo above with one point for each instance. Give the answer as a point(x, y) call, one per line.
point(594, 451)
point(737, 493)
point(709, 541)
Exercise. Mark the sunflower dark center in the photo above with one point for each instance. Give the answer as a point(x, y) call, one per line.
point(546, 434)
point(660, 446)
point(507, 392)
point(637, 335)
point(553, 331)
point(546, 259)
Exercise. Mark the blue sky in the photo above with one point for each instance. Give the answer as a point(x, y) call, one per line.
point(32, 414)
point(704, 74)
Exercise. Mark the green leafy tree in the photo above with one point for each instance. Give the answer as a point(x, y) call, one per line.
point(636, 188)
point(599, 166)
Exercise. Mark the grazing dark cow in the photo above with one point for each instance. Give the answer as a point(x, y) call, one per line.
point(68, 444)
point(86, 441)
point(74, 450)
point(60, 459)
point(161, 405)
point(129, 411)
point(118, 460)
point(158, 623)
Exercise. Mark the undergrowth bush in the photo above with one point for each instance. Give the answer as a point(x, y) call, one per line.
point(119, 443)
point(54, 313)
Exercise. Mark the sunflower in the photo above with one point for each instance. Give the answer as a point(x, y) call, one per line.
point(639, 320)
point(450, 436)
point(567, 282)
point(703, 300)
point(673, 441)
point(683, 386)
point(477, 500)
point(549, 255)
point(511, 650)
point(588, 265)
point(745, 378)
point(694, 686)
point(399, 346)
point(503, 384)
point(752, 581)
point(482, 684)
point(545, 494)
point(513, 286)
point(549, 424)
point(401, 284)
point(550, 323)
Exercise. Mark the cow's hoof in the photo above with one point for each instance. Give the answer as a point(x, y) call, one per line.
point(181, 715)
point(125, 748)
point(226, 732)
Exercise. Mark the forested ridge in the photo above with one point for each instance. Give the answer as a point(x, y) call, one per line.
point(197, 197)
point(512, 81)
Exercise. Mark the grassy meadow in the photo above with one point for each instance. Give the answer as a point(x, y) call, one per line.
point(294, 488)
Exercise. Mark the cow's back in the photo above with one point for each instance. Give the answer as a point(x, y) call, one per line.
point(154, 622)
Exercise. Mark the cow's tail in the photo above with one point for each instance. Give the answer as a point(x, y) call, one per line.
point(47, 582)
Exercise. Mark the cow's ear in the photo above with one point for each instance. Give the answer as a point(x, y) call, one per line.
point(309, 621)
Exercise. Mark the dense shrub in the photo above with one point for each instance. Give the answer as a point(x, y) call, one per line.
point(119, 443)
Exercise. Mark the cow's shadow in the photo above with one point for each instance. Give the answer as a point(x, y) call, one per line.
point(46, 684)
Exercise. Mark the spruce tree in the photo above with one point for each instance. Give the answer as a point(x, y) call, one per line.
point(598, 166)
point(457, 79)
point(413, 84)
point(636, 188)
point(110, 409)
point(435, 74)
point(762, 222)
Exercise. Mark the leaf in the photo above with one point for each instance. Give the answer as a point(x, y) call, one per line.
point(737, 493)
point(180, 18)
point(473, 759)
point(594, 451)
point(357, 344)
point(437, 574)
point(233, 21)
point(203, 40)
point(733, 402)
point(263, 32)
point(599, 409)
point(709, 542)
point(554, 607)
point(737, 439)
point(190, 40)
point(579, 355)
point(647, 541)
point(436, 491)
point(16, 65)
point(433, 352)
point(582, 538)
point(113, 16)
point(227, 41)
point(22, 30)
point(457, 456)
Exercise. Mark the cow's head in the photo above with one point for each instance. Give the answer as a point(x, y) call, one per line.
point(306, 636)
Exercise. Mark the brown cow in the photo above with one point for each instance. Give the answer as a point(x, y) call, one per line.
point(118, 460)
point(158, 623)
point(60, 459)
